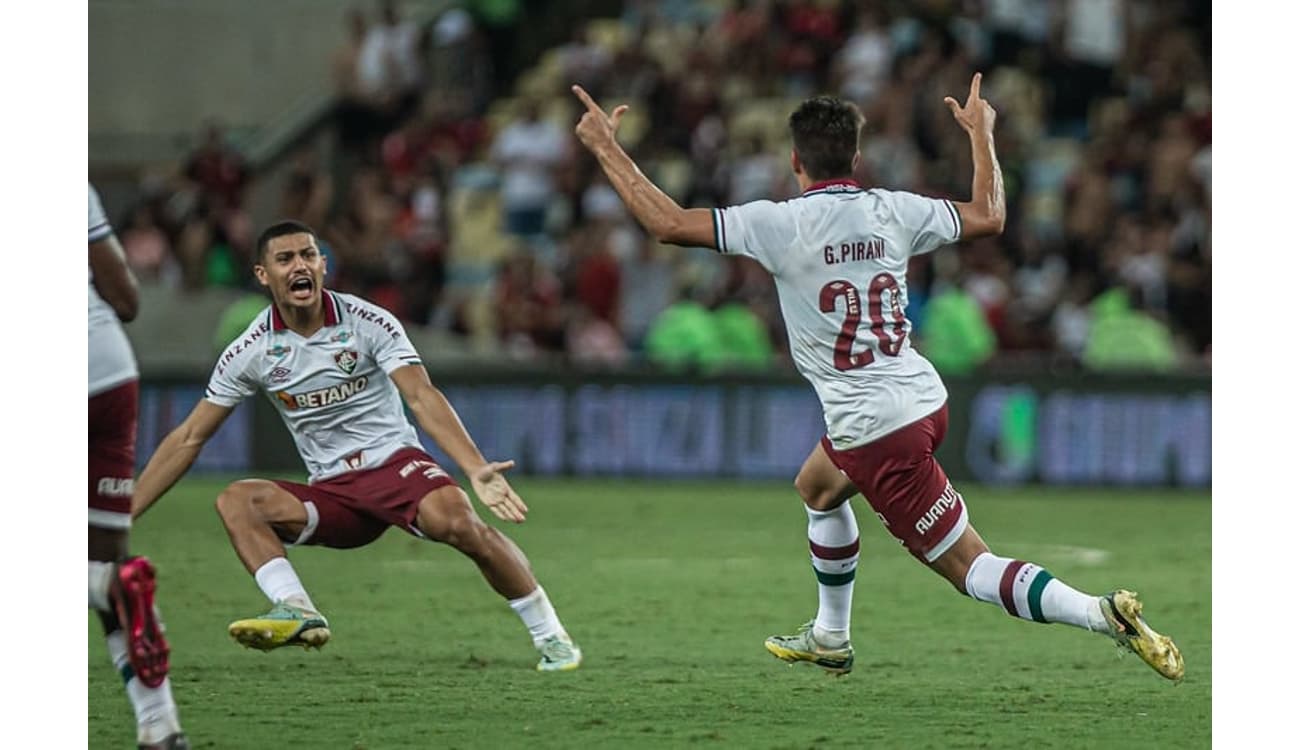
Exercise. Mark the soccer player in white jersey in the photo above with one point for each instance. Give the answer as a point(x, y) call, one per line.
point(338, 369)
point(121, 588)
point(839, 256)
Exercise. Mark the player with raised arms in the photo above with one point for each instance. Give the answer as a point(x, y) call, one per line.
point(338, 370)
point(839, 255)
point(121, 587)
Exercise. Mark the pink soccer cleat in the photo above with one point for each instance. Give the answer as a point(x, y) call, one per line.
point(131, 593)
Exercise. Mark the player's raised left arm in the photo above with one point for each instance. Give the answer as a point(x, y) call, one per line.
point(986, 212)
point(658, 213)
point(436, 417)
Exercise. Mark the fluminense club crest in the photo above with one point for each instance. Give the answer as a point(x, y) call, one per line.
point(346, 360)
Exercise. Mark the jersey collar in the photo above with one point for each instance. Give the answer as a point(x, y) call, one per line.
point(331, 312)
point(834, 186)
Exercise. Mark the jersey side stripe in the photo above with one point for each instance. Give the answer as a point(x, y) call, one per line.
point(956, 217)
point(717, 236)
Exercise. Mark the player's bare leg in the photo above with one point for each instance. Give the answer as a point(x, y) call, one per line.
point(445, 515)
point(833, 542)
point(257, 515)
point(1028, 591)
point(121, 590)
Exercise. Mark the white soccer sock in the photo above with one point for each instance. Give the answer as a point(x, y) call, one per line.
point(101, 574)
point(155, 710)
point(538, 615)
point(833, 542)
point(1027, 591)
point(280, 583)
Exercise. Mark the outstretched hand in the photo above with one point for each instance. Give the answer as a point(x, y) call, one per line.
point(496, 493)
point(977, 115)
point(596, 128)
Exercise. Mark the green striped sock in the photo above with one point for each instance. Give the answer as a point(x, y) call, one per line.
point(1027, 591)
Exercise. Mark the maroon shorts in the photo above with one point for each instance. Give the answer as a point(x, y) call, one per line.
point(112, 417)
point(354, 509)
point(906, 486)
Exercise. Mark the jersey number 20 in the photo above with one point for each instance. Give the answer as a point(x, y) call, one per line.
point(845, 359)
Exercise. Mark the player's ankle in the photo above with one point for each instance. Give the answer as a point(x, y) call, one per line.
point(302, 602)
point(157, 728)
point(830, 638)
point(1096, 620)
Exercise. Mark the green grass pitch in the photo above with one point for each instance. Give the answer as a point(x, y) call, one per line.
point(670, 588)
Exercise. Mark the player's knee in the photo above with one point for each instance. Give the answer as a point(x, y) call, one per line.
point(814, 495)
point(231, 501)
point(239, 500)
point(467, 533)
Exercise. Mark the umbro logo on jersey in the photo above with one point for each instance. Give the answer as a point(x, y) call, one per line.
point(279, 375)
point(346, 360)
point(279, 350)
point(322, 397)
point(341, 337)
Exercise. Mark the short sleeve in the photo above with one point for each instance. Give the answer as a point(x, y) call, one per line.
point(230, 382)
point(932, 222)
point(388, 342)
point(761, 230)
point(99, 226)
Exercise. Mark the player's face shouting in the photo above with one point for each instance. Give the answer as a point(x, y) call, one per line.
point(293, 269)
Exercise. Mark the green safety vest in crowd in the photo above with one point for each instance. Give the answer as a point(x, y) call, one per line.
point(682, 336)
point(1121, 338)
point(743, 337)
point(236, 317)
point(956, 337)
point(687, 334)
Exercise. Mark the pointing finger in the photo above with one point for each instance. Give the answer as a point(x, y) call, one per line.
point(975, 86)
point(586, 99)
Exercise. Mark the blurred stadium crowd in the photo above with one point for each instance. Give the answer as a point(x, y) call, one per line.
point(464, 203)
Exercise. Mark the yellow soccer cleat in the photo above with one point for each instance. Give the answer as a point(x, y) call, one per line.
point(803, 647)
point(1123, 611)
point(284, 625)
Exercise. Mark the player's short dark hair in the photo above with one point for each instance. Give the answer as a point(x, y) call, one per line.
point(826, 132)
point(280, 229)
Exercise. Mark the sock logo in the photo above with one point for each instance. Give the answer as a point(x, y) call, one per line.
point(945, 503)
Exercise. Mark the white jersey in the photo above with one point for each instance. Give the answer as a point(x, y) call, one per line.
point(111, 362)
point(839, 255)
point(332, 389)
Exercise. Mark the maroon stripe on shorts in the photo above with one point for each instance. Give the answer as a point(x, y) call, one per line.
point(833, 553)
point(1008, 580)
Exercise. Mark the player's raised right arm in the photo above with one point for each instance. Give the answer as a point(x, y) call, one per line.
point(656, 211)
point(986, 212)
point(176, 454)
